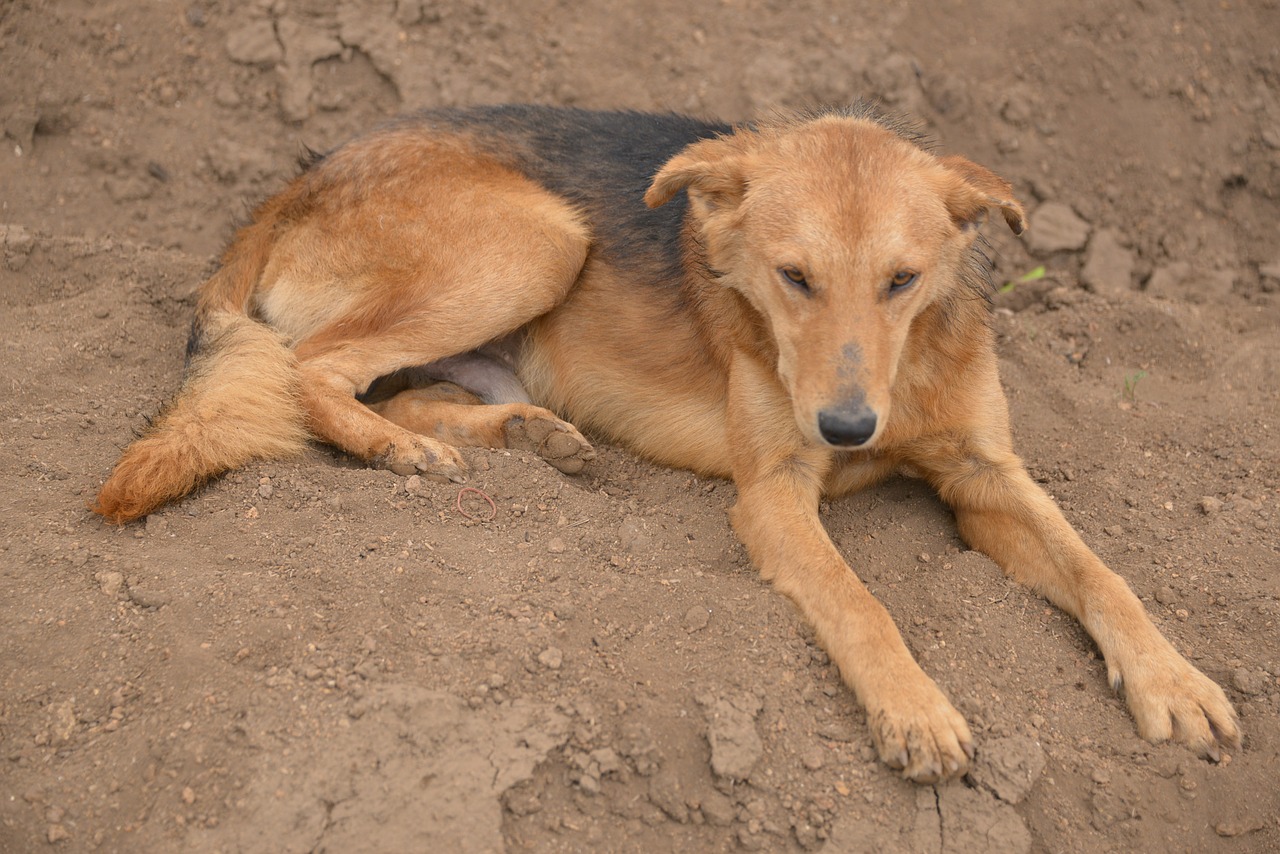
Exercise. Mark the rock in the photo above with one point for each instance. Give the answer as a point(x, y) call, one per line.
point(1108, 266)
point(1055, 227)
point(1270, 274)
point(973, 820)
point(111, 583)
point(255, 43)
point(1210, 505)
point(20, 126)
point(556, 546)
point(304, 45)
point(1008, 767)
point(666, 794)
point(696, 618)
point(1249, 682)
point(735, 744)
point(148, 597)
point(717, 809)
point(633, 535)
point(1168, 277)
point(1179, 280)
point(133, 188)
point(551, 658)
point(63, 721)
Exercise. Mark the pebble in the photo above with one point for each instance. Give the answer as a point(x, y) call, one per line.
point(551, 658)
point(556, 546)
point(1009, 767)
point(633, 535)
point(735, 744)
point(1248, 681)
point(255, 44)
point(1210, 505)
point(813, 758)
point(696, 618)
point(111, 583)
point(1055, 227)
point(1108, 266)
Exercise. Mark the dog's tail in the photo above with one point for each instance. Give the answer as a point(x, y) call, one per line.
point(239, 400)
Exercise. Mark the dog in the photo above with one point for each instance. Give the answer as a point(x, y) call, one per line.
point(799, 304)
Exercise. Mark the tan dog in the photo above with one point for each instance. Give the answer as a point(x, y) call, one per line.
point(796, 305)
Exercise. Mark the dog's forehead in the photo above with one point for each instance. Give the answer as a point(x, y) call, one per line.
point(851, 179)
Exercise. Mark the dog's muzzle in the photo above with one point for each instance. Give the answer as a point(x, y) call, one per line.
point(847, 427)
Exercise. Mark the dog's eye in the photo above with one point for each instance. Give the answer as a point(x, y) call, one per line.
point(794, 277)
point(902, 280)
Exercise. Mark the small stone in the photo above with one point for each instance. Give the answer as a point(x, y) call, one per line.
point(64, 721)
point(413, 485)
point(188, 795)
point(813, 758)
point(1108, 266)
point(255, 43)
point(57, 833)
point(633, 535)
point(225, 95)
point(1055, 227)
point(551, 658)
point(556, 546)
point(1009, 767)
point(1248, 681)
point(1210, 505)
point(717, 809)
point(148, 598)
point(1166, 596)
point(696, 618)
point(1114, 530)
point(111, 583)
point(735, 744)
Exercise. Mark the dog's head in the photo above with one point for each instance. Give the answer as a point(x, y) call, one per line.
point(839, 232)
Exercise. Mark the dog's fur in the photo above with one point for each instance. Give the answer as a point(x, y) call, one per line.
point(797, 305)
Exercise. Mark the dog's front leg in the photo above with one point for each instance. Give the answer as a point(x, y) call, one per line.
point(1000, 511)
point(779, 479)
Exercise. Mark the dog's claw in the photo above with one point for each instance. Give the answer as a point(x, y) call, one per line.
point(555, 441)
point(922, 735)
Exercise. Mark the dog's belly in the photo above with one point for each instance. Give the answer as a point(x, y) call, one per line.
point(618, 363)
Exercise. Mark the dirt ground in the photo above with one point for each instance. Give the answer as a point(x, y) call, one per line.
point(316, 656)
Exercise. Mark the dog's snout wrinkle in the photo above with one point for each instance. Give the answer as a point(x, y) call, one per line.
point(847, 427)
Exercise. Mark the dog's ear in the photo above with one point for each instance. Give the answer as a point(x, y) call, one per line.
point(713, 171)
point(979, 189)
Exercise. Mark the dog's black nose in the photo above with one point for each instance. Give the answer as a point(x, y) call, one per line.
point(847, 428)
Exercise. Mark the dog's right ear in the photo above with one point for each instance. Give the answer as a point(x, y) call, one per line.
point(713, 171)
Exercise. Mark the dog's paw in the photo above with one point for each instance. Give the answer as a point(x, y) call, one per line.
point(921, 733)
point(424, 456)
point(1172, 700)
point(556, 441)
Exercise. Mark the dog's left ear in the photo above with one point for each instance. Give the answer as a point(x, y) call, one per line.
point(980, 188)
point(713, 171)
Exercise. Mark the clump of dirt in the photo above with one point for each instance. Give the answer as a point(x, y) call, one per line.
point(313, 654)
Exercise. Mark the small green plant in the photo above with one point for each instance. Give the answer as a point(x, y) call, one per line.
point(1130, 393)
point(1029, 276)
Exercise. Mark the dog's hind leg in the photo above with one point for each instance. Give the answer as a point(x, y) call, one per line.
point(437, 412)
point(449, 254)
point(1002, 512)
